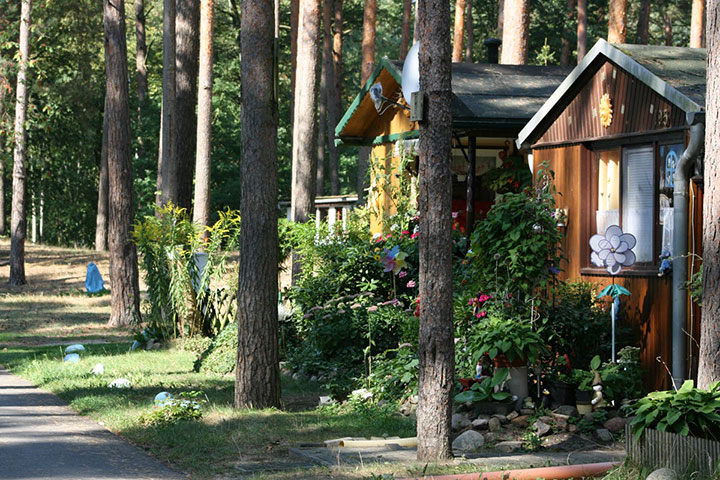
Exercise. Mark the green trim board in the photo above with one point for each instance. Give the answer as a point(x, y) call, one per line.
point(394, 137)
point(386, 64)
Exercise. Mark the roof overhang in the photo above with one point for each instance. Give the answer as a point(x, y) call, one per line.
point(600, 52)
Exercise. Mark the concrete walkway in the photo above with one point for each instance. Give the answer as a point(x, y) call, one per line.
point(42, 438)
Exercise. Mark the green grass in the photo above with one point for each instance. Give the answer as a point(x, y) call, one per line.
point(210, 446)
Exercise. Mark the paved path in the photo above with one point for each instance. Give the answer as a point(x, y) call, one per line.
point(42, 438)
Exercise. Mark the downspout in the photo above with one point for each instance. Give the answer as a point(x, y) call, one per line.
point(680, 243)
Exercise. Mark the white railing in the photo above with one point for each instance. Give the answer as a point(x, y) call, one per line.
point(333, 208)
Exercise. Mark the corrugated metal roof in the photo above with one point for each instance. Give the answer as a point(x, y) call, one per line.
point(684, 69)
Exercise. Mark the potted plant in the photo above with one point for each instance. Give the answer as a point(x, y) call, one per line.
point(584, 380)
point(483, 395)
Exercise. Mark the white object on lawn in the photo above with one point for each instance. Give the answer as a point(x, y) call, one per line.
point(72, 358)
point(162, 398)
point(75, 348)
point(120, 383)
point(98, 369)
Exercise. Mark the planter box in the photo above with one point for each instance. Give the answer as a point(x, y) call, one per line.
point(683, 454)
point(493, 408)
point(561, 393)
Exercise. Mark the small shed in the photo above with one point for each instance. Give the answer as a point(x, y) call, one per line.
point(490, 104)
point(622, 133)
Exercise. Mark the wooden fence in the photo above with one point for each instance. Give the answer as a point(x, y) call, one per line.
point(683, 454)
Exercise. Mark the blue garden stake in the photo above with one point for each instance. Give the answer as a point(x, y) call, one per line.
point(613, 250)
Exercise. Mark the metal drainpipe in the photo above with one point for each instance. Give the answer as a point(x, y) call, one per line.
point(680, 243)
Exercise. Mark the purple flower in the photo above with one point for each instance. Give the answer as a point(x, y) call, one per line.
point(402, 274)
point(411, 284)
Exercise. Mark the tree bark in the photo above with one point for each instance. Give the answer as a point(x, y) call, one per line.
point(257, 376)
point(18, 214)
point(566, 52)
point(435, 344)
point(405, 30)
point(697, 24)
point(321, 123)
point(459, 37)
point(3, 86)
point(140, 52)
point(186, 67)
point(101, 219)
point(515, 40)
point(331, 97)
point(581, 29)
point(305, 119)
point(167, 164)
point(643, 27)
point(201, 207)
point(617, 28)
point(124, 289)
point(501, 19)
point(668, 29)
point(709, 357)
point(294, 16)
point(470, 33)
point(366, 70)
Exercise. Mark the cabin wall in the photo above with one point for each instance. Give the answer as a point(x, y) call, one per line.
point(649, 307)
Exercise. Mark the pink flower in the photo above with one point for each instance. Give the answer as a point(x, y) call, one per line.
point(411, 284)
point(405, 232)
point(402, 274)
point(481, 314)
point(455, 214)
point(372, 309)
point(414, 235)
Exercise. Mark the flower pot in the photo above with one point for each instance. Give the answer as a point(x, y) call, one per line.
point(583, 396)
point(501, 361)
point(494, 408)
point(561, 393)
point(584, 408)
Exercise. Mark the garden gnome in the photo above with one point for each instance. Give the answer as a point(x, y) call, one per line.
point(597, 399)
point(482, 369)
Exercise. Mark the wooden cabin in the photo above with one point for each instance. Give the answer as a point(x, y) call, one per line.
point(490, 104)
point(613, 132)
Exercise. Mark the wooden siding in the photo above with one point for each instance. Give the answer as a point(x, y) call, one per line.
point(649, 307)
point(636, 108)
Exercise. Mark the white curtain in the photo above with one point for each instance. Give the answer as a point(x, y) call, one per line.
point(638, 167)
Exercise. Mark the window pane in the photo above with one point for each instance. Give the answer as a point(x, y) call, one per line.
point(608, 212)
point(638, 199)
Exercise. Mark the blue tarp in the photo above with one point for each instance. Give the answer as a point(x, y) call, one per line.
point(93, 279)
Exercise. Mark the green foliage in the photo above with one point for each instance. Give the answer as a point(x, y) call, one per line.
point(221, 355)
point(484, 389)
point(687, 411)
point(394, 375)
point(186, 406)
point(514, 338)
point(181, 299)
point(513, 176)
point(694, 286)
point(531, 441)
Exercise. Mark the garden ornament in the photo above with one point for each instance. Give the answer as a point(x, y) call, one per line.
point(93, 280)
point(98, 369)
point(75, 348)
point(120, 383)
point(597, 399)
point(71, 358)
point(613, 250)
point(162, 398)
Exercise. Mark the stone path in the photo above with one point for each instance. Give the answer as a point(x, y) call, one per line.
point(42, 438)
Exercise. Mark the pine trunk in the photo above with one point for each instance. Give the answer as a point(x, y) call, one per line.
point(470, 33)
point(294, 16)
point(3, 86)
point(515, 40)
point(321, 124)
point(201, 205)
point(366, 69)
point(643, 27)
point(459, 36)
point(501, 19)
point(697, 24)
point(668, 29)
point(186, 67)
point(305, 118)
point(617, 28)
point(18, 213)
point(566, 52)
point(581, 29)
point(101, 219)
point(124, 289)
point(167, 168)
point(335, 102)
point(328, 93)
point(140, 52)
point(435, 344)
point(257, 376)
point(405, 29)
point(709, 367)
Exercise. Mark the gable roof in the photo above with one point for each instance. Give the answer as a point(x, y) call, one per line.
point(485, 96)
point(676, 73)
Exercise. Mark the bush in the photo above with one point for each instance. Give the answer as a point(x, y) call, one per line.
point(394, 374)
point(221, 356)
point(186, 406)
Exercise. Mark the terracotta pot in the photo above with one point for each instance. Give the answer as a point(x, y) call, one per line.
point(501, 361)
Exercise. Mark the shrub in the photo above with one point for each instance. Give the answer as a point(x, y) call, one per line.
point(220, 357)
point(186, 406)
point(394, 375)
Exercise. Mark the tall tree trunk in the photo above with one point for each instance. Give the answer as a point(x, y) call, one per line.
point(201, 207)
point(305, 119)
point(501, 19)
point(167, 168)
point(101, 219)
point(617, 16)
point(515, 40)
point(435, 344)
point(335, 94)
point(457, 49)
point(124, 289)
point(141, 70)
point(565, 52)
point(581, 29)
point(186, 67)
point(470, 32)
point(321, 124)
point(709, 367)
point(643, 26)
point(331, 102)
point(366, 68)
point(18, 213)
point(405, 29)
point(3, 87)
point(294, 16)
point(257, 376)
point(697, 24)
point(668, 28)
